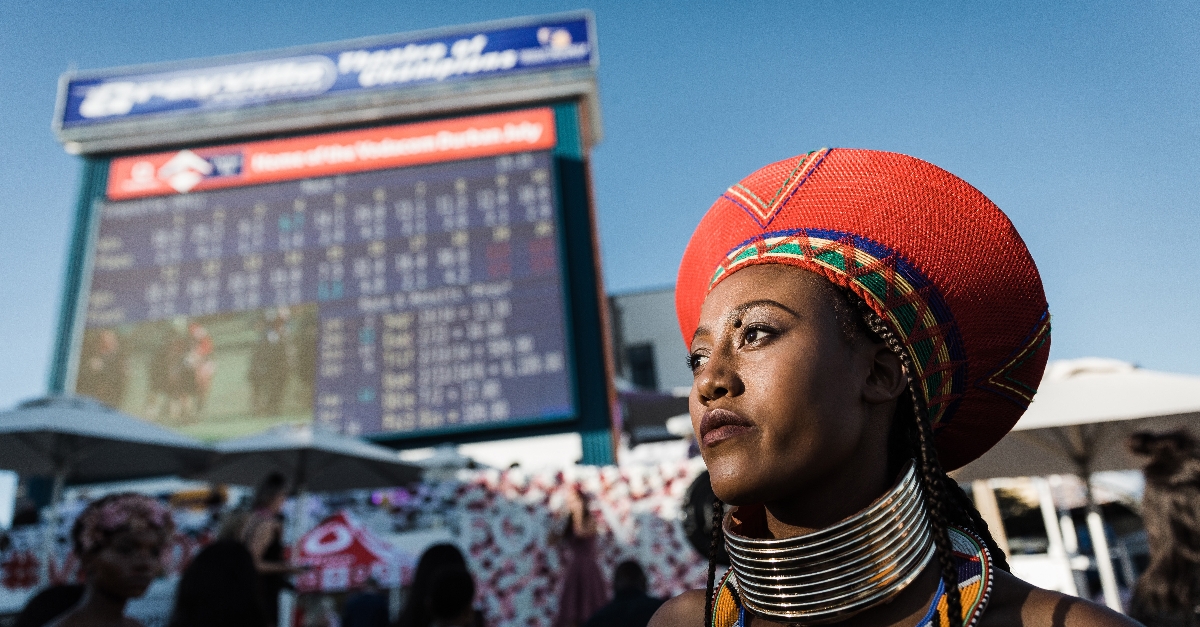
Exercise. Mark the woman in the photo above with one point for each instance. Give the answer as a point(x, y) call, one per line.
point(436, 560)
point(219, 587)
point(262, 534)
point(583, 590)
point(119, 540)
point(858, 322)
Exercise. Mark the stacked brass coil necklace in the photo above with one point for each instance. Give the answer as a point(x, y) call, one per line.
point(838, 571)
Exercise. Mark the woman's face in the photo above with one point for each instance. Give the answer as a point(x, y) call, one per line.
point(782, 399)
point(128, 564)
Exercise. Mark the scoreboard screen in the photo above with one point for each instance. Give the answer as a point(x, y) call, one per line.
point(391, 280)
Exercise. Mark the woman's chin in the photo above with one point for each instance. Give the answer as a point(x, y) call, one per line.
point(737, 483)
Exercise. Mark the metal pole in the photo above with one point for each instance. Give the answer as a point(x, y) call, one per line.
point(1057, 548)
point(989, 509)
point(1108, 576)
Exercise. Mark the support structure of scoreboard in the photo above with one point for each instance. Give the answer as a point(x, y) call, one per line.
point(390, 237)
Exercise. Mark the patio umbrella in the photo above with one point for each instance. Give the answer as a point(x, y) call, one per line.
point(1079, 423)
point(79, 440)
point(313, 459)
point(1084, 412)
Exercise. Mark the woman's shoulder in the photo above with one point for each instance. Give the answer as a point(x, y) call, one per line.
point(1016, 602)
point(685, 610)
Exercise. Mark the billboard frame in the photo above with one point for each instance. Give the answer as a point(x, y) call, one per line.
point(570, 93)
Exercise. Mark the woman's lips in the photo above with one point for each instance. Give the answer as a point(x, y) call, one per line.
point(719, 425)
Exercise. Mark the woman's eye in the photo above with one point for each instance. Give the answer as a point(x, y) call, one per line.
point(695, 360)
point(755, 334)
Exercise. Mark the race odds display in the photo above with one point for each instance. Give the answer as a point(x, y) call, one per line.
point(405, 278)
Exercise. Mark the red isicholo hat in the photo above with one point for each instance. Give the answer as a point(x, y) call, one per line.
point(937, 260)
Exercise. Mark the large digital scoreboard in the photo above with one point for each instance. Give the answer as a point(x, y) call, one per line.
point(409, 280)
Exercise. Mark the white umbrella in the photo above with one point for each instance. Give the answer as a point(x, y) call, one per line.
point(1082, 416)
point(1079, 423)
point(313, 459)
point(79, 440)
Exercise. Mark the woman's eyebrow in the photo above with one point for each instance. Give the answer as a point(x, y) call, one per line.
point(743, 308)
point(761, 302)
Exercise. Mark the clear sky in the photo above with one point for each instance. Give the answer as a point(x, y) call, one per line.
point(1080, 119)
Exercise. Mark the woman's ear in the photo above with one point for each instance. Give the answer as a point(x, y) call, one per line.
point(886, 380)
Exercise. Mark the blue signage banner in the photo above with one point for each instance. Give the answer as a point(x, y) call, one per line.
point(333, 69)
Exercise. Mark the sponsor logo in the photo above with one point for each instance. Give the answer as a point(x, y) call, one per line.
point(182, 172)
point(107, 97)
point(235, 84)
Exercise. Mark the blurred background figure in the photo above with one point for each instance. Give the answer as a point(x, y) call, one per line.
point(583, 590)
point(417, 605)
point(631, 606)
point(219, 588)
point(367, 607)
point(103, 374)
point(269, 366)
point(1166, 593)
point(119, 540)
point(262, 533)
point(450, 599)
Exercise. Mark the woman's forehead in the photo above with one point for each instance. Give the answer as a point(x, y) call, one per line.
point(795, 288)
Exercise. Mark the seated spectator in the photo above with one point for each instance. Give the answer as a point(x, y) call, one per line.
point(631, 606)
point(366, 608)
point(219, 587)
point(119, 540)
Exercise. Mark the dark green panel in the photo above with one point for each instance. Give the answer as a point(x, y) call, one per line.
point(93, 181)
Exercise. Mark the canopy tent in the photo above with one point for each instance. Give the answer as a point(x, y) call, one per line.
point(79, 440)
point(342, 554)
point(1079, 423)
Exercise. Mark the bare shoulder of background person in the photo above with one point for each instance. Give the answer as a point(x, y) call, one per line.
point(685, 610)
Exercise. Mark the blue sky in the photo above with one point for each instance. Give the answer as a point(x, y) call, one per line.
point(1079, 119)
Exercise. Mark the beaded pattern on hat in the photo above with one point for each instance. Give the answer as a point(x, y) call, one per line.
point(892, 288)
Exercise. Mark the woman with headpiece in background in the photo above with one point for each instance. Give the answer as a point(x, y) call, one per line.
point(857, 323)
point(119, 540)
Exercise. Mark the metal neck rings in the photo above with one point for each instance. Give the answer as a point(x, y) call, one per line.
point(838, 571)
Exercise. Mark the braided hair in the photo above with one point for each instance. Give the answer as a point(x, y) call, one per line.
point(911, 437)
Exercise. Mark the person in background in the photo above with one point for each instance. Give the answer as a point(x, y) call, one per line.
point(631, 606)
point(435, 559)
point(583, 590)
point(219, 588)
point(1166, 593)
point(366, 608)
point(263, 536)
point(449, 600)
point(119, 540)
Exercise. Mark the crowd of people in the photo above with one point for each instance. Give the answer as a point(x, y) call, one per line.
point(236, 580)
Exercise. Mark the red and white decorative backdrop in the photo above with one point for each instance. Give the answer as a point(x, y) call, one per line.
point(505, 521)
